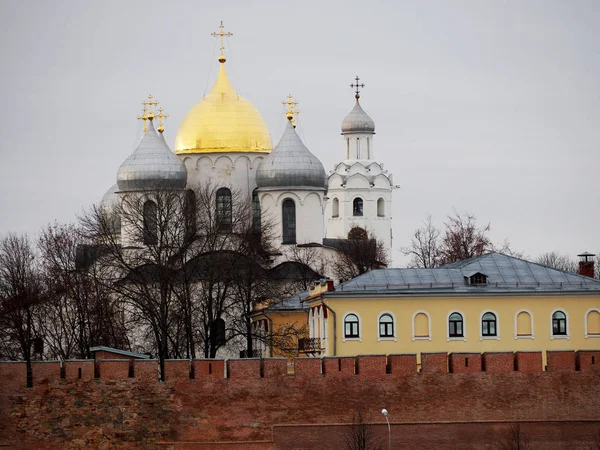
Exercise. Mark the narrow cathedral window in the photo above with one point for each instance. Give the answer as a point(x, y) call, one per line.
point(289, 221)
point(357, 207)
point(190, 212)
point(255, 212)
point(455, 325)
point(380, 207)
point(559, 324)
point(488, 324)
point(224, 214)
point(335, 208)
point(150, 223)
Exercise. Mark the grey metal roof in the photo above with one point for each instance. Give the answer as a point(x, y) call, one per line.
point(293, 302)
point(505, 274)
point(152, 166)
point(119, 352)
point(358, 121)
point(291, 164)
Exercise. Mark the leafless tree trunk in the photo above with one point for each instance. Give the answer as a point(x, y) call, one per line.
point(557, 261)
point(358, 254)
point(360, 435)
point(20, 296)
point(424, 249)
point(515, 439)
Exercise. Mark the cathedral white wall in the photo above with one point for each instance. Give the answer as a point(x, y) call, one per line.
point(236, 171)
point(309, 214)
point(358, 146)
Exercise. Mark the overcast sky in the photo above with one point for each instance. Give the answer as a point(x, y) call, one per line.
point(489, 107)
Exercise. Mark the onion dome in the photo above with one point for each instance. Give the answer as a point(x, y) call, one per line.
point(152, 166)
point(223, 121)
point(108, 204)
point(358, 121)
point(291, 165)
point(110, 198)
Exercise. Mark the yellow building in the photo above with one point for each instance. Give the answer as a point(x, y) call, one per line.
point(490, 303)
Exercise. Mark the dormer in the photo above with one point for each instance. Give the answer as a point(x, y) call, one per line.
point(476, 278)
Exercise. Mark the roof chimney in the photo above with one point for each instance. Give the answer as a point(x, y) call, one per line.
point(586, 264)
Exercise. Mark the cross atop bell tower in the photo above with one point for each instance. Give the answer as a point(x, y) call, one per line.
point(356, 86)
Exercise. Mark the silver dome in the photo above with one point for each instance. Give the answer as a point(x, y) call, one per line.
point(358, 121)
point(290, 164)
point(152, 166)
point(110, 198)
point(109, 202)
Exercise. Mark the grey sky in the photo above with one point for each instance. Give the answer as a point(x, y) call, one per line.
point(490, 107)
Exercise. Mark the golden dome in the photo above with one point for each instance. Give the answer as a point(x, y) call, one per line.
point(223, 122)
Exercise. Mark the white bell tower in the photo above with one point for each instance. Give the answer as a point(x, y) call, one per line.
point(359, 190)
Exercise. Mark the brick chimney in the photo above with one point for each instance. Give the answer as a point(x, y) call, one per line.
point(586, 264)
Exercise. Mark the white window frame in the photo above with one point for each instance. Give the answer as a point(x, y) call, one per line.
point(422, 338)
point(585, 322)
point(560, 336)
point(394, 325)
point(532, 336)
point(464, 323)
point(359, 338)
point(489, 338)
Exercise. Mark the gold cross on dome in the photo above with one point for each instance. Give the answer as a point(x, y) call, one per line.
point(161, 116)
point(144, 117)
point(150, 103)
point(291, 109)
point(221, 34)
point(356, 86)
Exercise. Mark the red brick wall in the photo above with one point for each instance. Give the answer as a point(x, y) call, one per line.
point(404, 364)
point(434, 362)
point(588, 360)
point(211, 368)
point(43, 371)
point(113, 369)
point(529, 362)
point(372, 365)
point(465, 362)
point(121, 412)
point(13, 376)
point(499, 362)
point(72, 369)
point(177, 369)
point(560, 361)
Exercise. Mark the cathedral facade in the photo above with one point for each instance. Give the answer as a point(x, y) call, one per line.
point(224, 141)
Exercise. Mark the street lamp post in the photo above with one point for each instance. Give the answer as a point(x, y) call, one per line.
point(385, 414)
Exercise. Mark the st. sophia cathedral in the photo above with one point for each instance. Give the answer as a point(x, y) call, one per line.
point(224, 140)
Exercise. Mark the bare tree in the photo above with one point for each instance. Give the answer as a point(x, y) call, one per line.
point(557, 261)
point(424, 249)
point(21, 293)
point(142, 262)
point(360, 435)
point(515, 439)
point(79, 312)
point(358, 254)
point(463, 239)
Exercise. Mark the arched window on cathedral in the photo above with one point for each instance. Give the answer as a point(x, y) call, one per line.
point(150, 223)
point(357, 207)
point(347, 148)
point(357, 148)
point(255, 211)
point(380, 207)
point(224, 214)
point(190, 212)
point(289, 221)
point(335, 208)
